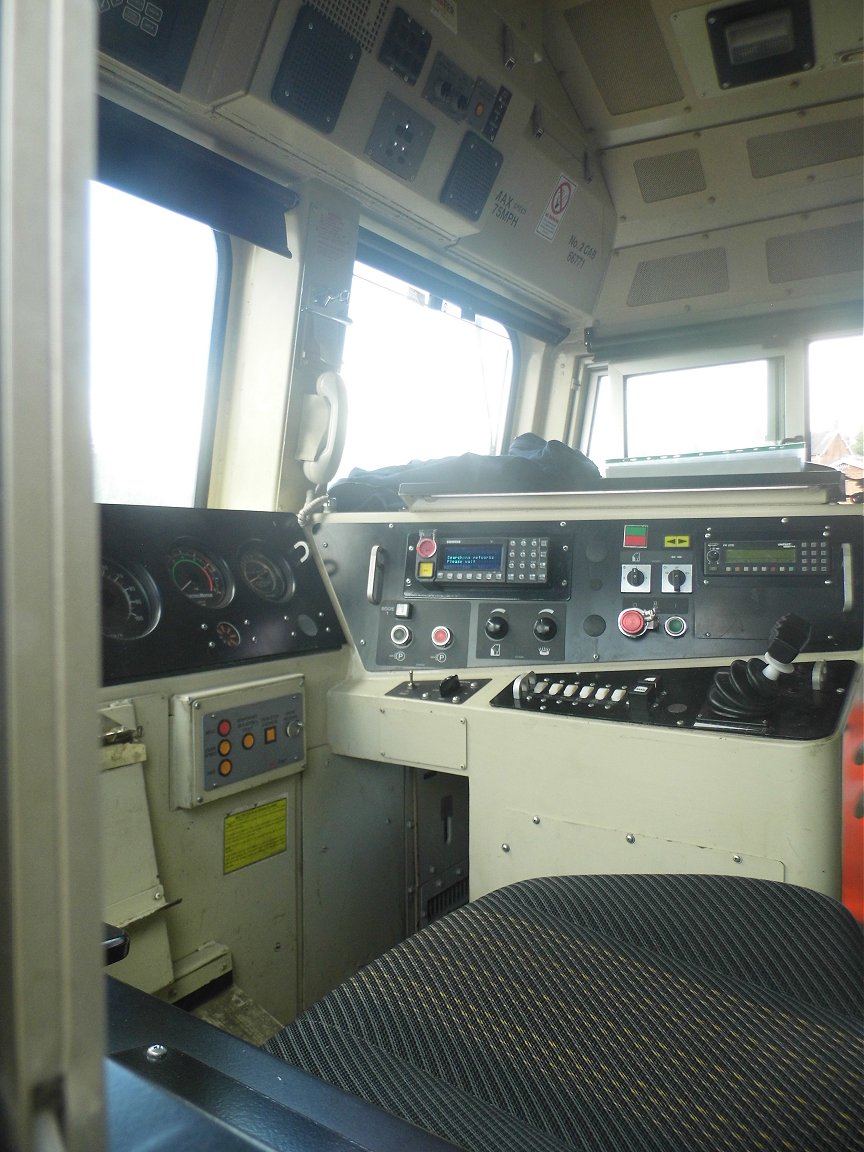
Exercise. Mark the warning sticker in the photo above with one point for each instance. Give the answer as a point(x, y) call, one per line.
point(558, 204)
point(255, 834)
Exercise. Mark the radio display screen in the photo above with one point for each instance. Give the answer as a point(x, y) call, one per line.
point(471, 558)
point(761, 555)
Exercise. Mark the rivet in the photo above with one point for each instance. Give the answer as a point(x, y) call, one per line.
point(156, 1052)
point(631, 839)
point(505, 847)
point(535, 819)
point(737, 858)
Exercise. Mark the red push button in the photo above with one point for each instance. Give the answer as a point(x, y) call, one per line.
point(442, 637)
point(631, 622)
point(427, 546)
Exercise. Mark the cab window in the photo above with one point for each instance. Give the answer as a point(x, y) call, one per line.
point(153, 282)
point(836, 426)
point(424, 379)
point(654, 408)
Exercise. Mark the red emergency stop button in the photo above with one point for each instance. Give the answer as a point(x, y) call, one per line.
point(427, 546)
point(632, 622)
point(442, 637)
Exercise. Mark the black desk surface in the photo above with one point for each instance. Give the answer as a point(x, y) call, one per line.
point(210, 1092)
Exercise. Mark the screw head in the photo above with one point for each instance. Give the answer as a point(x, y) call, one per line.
point(156, 1052)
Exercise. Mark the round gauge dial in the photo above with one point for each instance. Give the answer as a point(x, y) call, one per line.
point(202, 578)
point(130, 601)
point(269, 577)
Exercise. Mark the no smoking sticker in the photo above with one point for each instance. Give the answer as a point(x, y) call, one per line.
point(558, 204)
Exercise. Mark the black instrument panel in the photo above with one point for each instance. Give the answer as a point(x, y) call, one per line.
point(188, 589)
point(642, 588)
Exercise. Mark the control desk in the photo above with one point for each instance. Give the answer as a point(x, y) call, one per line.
point(596, 665)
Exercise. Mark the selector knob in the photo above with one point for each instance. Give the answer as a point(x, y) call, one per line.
point(545, 628)
point(713, 555)
point(635, 577)
point(496, 627)
point(677, 578)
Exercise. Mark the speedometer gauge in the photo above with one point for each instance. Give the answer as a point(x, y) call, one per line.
point(202, 578)
point(130, 601)
point(269, 576)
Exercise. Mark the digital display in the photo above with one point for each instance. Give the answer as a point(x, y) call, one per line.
point(761, 555)
point(471, 558)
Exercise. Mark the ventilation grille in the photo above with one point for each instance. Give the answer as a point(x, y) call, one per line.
point(361, 19)
point(679, 277)
point(470, 180)
point(675, 174)
point(316, 70)
point(442, 902)
point(621, 43)
point(805, 147)
point(819, 252)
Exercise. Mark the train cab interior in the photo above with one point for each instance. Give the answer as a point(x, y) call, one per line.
point(431, 469)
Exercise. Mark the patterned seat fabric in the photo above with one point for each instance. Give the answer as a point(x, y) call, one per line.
point(614, 1013)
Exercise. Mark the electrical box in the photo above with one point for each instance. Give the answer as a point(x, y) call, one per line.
point(234, 739)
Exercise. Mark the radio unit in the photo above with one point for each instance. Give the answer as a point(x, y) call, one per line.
point(480, 560)
point(767, 558)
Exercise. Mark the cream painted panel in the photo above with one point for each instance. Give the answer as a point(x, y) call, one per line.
point(538, 844)
point(363, 722)
point(778, 800)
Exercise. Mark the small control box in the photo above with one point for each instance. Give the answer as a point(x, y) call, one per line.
point(233, 739)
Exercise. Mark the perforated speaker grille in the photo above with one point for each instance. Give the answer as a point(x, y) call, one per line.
point(361, 19)
point(818, 252)
point(621, 43)
point(674, 174)
point(805, 147)
point(679, 277)
point(470, 180)
point(316, 70)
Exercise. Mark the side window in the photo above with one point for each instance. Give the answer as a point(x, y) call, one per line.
point(423, 380)
point(836, 416)
point(153, 277)
point(706, 409)
point(699, 408)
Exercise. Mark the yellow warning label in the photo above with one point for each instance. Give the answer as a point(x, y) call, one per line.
point(255, 834)
point(676, 541)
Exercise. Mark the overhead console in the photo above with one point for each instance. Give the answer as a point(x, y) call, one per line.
point(190, 589)
point(639, 587)
point(444, 110)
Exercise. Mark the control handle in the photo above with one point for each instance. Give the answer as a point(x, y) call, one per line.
point(375, 576)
